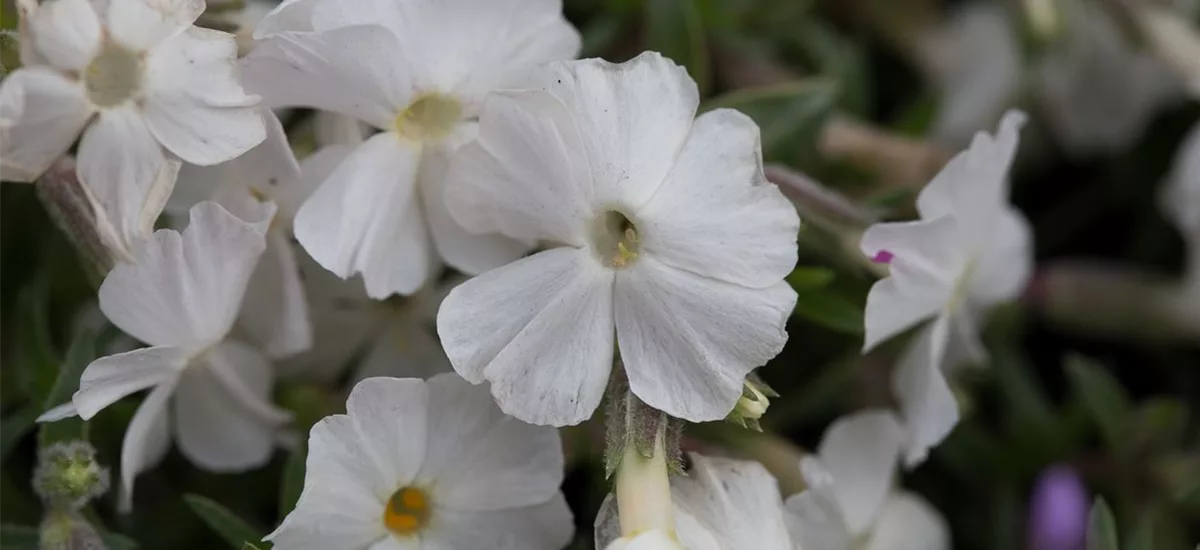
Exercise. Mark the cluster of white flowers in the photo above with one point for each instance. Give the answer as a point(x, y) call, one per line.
point(601, 217)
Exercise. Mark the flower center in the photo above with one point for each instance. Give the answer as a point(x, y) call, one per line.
point(615, 238)
point(407, 511)
point(114, 75)
point(430, 117)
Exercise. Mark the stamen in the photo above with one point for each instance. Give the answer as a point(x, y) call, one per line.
point(407, 511)
point(615, 239)
point(430, 117)
point(114, 76)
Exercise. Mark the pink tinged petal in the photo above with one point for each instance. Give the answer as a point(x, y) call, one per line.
point(194, 103)
point(366, 218)
point(275, 310)
point(907, 522)
point(633, 118)
point(147, 439)
point(351, 71)
point(67, 33)
point(499, 183)
point(926, 401)
point(738, 499)
point(544, 526)
point(343, 499)
point(859, 453)
point(141, 25)
point(883, 257)
point(185, 290)
point(689, 341)
point(481, 459)
point(540, 330)
point(123, 168)
point(391, 417)
point(54, 111)
point(716, 214)
point(108, 379)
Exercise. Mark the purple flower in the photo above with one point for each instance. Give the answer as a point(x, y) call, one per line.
point(1058, 510)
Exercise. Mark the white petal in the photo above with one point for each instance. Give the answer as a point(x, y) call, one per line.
point(964, 348)
point(108, 379)
point(366, 218)
point(61, 412)
point(275, 310)
point(500, 182)
point(1006, 264)
point(859, 452)
point(334, 129)
point(391, 418)
point(1180, 199)
point(225, 422)
point(125, 171)
point(54, 112)
point(342, 503)
point(925, 264)
point(185, 290)
point(739, 500)
point(479, 459)
point(146, 439)
point(396, 543)
point(688, 341)
point(928, 406)
point(546, 526)
point(194, 103)
point(716, 214)
point(405, 347)
point(314, 170)
point(143, 24)
point(350, 71)
point(540, 330)
point(67, 33)
point(468, 252)
point(289, 15)
point(909, 523)
point(815, 522)
point(633, 118)
point(343, 317)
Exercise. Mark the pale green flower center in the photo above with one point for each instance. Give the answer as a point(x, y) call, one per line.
point(114, 76)
point(430, 117)
point(615, 238)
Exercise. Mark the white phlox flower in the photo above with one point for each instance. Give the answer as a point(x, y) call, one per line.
point(418, 71)
point(969, 251)
point(12, 103)
point(274, 313)
point(850, 503)
point(181, 296)
point(428, 465)
point(135, 77)
point(667, 241)
point(975, 65)
point(1181, 202)
point(721, 504)
point(1099, 91)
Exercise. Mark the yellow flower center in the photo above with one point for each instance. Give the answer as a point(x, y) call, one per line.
point(114, 76)
point(407, 511)
point(615, 238)
point(430, 117)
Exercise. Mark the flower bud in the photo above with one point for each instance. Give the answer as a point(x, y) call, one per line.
point(1058, 511)
point(67, 475)
point(69, 531)
point(756, 398)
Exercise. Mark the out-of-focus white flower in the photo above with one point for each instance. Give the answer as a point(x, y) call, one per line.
point(274, 314)
point(181, 296)
point(135, 78)
point(418, 71)
point(1181, 202)
point(1099, 91)
point(428, 464)
point(975, 65)
point(850, 502)
point(969, 251)
point(721, 504)
point(663, 227)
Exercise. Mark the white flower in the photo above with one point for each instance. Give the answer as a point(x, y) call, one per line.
point(663, 228)
point(418, 71)
point(1181, 202)
point(721, 504)
point(1099, 91)
point(850, 502)
point(181, 296)
point(134, 78)
point(969, 251)
point(428, 464)
point(274, 313)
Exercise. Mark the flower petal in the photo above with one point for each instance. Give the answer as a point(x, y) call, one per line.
point(540, 330)
point(478, 459)
point(54, 112)
point(688, 341)
point(110, 378)
point(344, 318)
point(366, 218)
point(737, 499)
point(67, 33)
point(815, 522)
point(289, 15)
point(544, 526)
point(1006, 264)
point(350, 71)
point(716, 214)
point(928, 406)
point(143, 24)
point(405, 347)
point(147, 439)
point(390, 416)
point(909, 523)
point(185, 290)
point(859, 452)
point(275, 311)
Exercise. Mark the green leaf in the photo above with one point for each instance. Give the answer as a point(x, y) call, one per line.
point(840, 57)
point(15, 426)
point(19, 537)
point(1142, 535)
point(1157, 424)
point(81, 352)
point(231, 528)
point(830, 310)
point(810, 277)
point(293, 481)
point(35, 349)
point(675, 29)
point(1102, 396)
point(790, 116)
point(1102, 528)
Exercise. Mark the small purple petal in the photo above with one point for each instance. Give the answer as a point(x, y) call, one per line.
point(883, 257)
point(1058, 511)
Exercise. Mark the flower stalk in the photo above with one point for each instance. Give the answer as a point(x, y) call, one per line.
point(643, 490)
